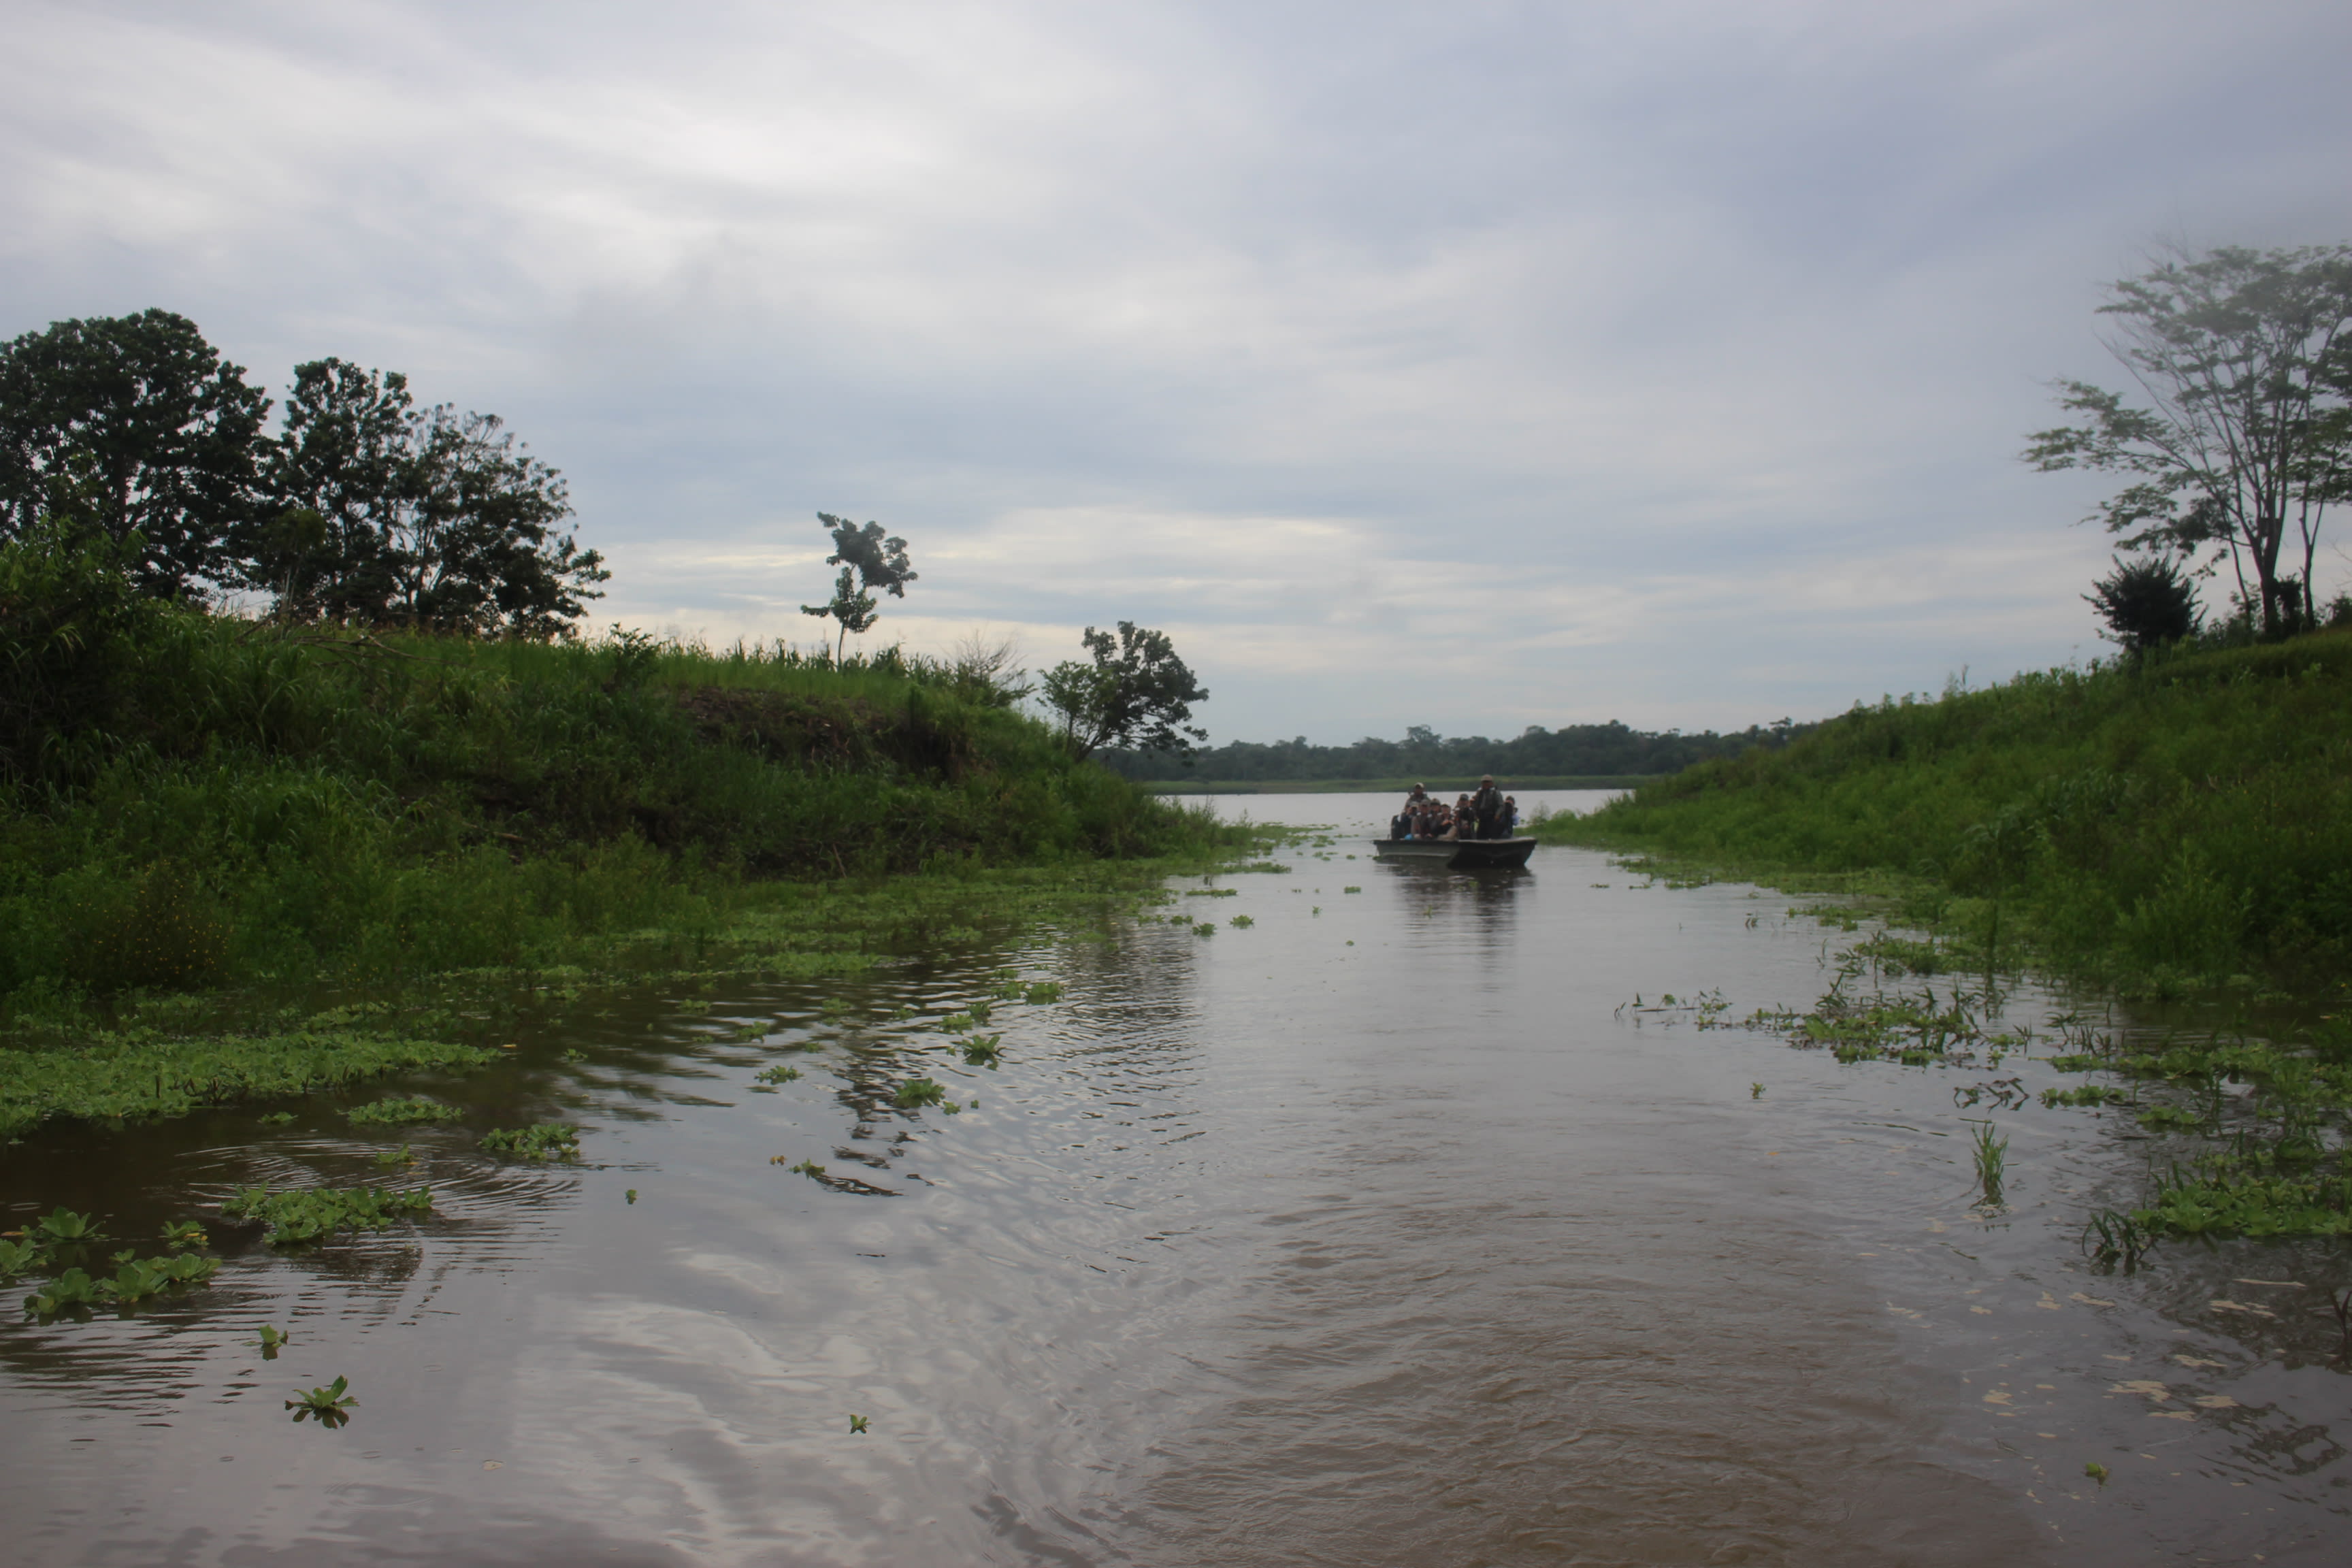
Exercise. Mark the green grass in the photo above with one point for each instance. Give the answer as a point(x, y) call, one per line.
point(2183, 822)
point(214, 835)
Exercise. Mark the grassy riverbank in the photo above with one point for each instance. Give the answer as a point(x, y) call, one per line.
point(2175, 824)
point(228, 848)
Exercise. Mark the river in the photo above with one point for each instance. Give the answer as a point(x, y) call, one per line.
point(1376, 1228)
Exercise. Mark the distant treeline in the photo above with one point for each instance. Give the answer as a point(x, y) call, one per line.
point(1580, 749)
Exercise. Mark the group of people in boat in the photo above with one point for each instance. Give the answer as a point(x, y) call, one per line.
point(1489, 814)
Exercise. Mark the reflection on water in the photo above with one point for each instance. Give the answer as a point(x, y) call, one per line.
point(1367, 1233)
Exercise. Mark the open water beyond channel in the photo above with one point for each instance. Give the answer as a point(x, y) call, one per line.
point(1376, 1230)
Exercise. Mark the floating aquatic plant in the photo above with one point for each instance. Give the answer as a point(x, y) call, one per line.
point(401, 1110)
point(20, 1257)
point(403, 1155)
point(1041, 993)
point(309, 1214)
point(806, 1168)
point(917, 1092)
point(74, 1287)
point(273, 1341)
point(631, 1195)
point(329, 1406)
point(541, 1141)
point(983, 1050)
point(180, 1233)
point(65, 1225)
point(277, 1119)
point(857, 1424)
point(1242, 921)
point(776, 1075)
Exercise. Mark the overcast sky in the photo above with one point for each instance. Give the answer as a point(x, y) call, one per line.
point(1472, 365)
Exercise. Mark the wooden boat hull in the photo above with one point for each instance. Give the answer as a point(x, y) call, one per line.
point(1460, 854)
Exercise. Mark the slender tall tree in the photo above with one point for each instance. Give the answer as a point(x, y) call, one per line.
point(2241, 357)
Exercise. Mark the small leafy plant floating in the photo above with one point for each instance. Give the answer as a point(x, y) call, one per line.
point(917, 1092)
point(983, 1050)
point(1042, 992)
point(312, 1213)
point(20, 1257)
point(182, 1233)
point(806, 1168)
point(273, 1341)
point(1243, 921)
point(857, 1424)
point(541, 1141)
point(66, 1226)
point(329, 1406)
point(74, 1287)
point(775, 1075)
point(407, 1111)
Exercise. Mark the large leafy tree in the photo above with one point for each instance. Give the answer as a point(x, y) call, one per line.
point(391, 514)
point(2239, 443)
point(870, 559)
point(134, 426)
point(1135, 693)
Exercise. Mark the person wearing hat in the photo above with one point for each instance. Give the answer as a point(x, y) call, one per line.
point(1488, 804)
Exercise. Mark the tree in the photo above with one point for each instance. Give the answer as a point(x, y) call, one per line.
point(133, 426)
point(1137, 693)
point(392, 514)
point(2145, 602)
point(851, 605)
point(868, 559)
point(2241, 356)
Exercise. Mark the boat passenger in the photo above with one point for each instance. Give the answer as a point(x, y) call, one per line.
point(1487, 806)
point(1510, 816)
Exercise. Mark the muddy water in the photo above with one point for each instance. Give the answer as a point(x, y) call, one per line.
point(1374, 1231)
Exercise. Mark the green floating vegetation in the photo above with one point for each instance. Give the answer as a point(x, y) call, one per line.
point(201, 815)
point(329, 1406)
point(541, 1141)
point(983, 1050)
point(1042, 992)
point(776, 1075)
point(297, 1215)
point(135, 1279)
point(1242, 921)
point(917, 1092)
point(402, 1111)
point(107, 1076)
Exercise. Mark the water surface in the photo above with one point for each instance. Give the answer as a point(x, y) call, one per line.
point(1376, 1230)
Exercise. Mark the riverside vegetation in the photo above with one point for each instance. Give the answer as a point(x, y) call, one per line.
point(2177, 825)
point(241, 858)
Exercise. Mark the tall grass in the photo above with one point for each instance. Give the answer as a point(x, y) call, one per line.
point(2178, 819)
point(193, 801)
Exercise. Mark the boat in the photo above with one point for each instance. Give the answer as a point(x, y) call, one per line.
point(1474, 854)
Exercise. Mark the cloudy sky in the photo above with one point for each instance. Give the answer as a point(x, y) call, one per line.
point(1469, 364)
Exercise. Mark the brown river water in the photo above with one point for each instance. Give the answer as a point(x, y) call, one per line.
point(1385, 1233)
